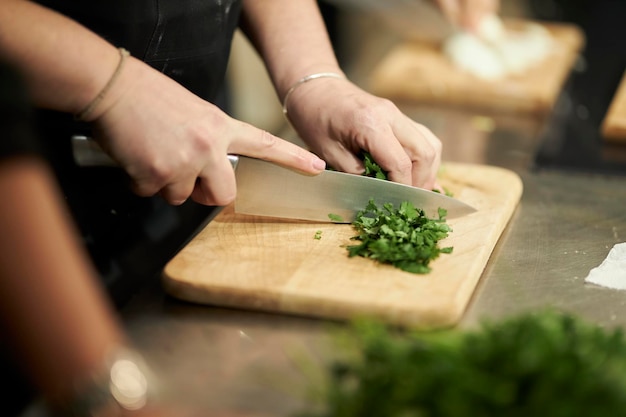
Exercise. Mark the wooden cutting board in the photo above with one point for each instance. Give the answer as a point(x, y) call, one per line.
point(277, 265)
point(418, 71)
point(613, 126)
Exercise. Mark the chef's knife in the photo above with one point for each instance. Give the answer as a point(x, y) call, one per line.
point(267, 189)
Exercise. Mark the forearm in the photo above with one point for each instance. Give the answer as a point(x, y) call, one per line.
point(65, 65)
point(51, 308)
point(291, 37)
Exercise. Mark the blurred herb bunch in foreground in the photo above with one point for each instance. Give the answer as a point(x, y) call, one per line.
point(541, 364)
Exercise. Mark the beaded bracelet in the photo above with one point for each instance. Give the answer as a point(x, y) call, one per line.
point(81, 115)
point(305, 80)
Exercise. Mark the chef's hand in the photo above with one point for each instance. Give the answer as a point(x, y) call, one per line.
point(467, 14)
point(337, 120)
point(173, 143)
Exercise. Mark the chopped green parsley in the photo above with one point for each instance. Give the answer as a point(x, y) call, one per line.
point(403, 237)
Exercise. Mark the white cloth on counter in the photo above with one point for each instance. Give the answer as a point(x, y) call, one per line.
point(611, 273)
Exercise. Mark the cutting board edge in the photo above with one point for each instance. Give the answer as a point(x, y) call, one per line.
point(219, 295)
point(506, 218)
point(613, 127)
point(302, 306)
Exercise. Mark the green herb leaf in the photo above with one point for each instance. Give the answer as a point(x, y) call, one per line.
point(403, 237)
point(335, 218)
point(537, 364)
point(372, 169)
point(445, 191)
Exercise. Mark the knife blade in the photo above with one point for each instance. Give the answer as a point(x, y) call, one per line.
point(267, 189)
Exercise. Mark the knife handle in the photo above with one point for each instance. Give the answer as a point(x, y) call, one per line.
point(87, 153)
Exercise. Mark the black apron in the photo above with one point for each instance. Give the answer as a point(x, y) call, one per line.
point(188, 40)
point(128, 237)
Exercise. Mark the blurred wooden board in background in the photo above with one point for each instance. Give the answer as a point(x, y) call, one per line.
point(614, 124)
point(419, 71)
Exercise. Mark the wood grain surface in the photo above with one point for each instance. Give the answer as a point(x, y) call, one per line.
point(277, 265)
point(613, 126)
point(418, 71)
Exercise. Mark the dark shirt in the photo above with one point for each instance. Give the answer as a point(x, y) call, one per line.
point(188, 40)
point(16, 122)
point(130, 238)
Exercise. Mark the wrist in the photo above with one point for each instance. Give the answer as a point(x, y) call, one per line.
point(119, 84)
point(288, 80)
point(88, 109)
point(123, 383)
point(299, 84)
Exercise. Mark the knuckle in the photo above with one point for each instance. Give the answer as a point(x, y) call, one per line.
point(383, 109)
point(223, 200)
point(213, 194)
point(428, 154)
point(404, 165)
point(438, 146)
point(145, 189)
point(160, 173)
point(367, 118)
point(374, 118)
point(165, 170)
point(174, 196)
point(150, 180)
point(199, 138)
point(267, 141)
point(386, 105)
point(430, 146)
point(435, 151)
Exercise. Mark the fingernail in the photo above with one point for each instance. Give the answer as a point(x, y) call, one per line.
point(319, 164)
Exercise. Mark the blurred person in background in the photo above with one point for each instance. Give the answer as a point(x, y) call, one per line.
point(467, 14)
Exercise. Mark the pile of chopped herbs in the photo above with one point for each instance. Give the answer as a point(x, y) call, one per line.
point(542, 364)
point(403, 237)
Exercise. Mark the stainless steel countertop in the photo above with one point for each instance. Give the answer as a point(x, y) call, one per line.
point(564, 225)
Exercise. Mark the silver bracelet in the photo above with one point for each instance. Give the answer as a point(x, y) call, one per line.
point(305, 80)
point(125, 383)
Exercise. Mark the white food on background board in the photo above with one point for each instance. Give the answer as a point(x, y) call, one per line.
point(611, 273)
point(469, 53)
point(495, 52)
